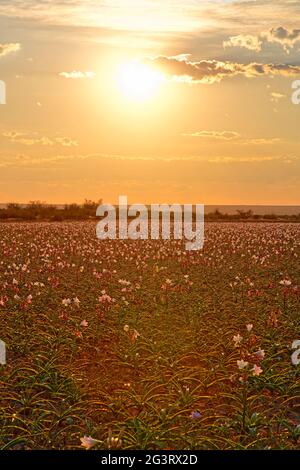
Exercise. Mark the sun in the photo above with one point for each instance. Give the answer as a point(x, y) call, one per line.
point(138, 82)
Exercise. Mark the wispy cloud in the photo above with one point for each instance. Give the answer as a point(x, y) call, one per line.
point(283, 36)
point(7, 48)
point(287, 38)
point(76, 74)
point(232, 137)
point(132, 15)
point(253, 43)
point(22, 160)
point(211, 71)
point(261, 141)
point(34, 139)
point(276, 96)
point(219, 135)
point(254, 159)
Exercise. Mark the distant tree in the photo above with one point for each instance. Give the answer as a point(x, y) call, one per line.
point(13, 206)
point(217, 213)
point(89, 204)
point(245, 214)
point(90, 207)
point(36, 204)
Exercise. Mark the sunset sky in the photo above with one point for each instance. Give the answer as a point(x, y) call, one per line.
point(163, 101)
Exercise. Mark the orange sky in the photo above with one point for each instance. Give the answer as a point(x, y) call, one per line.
point(164, 101)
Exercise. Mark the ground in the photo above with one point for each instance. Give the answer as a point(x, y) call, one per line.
point(143, 345)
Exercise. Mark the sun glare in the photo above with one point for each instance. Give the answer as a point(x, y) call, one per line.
point(138, 82)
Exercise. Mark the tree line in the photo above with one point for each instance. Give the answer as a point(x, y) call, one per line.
point(38, 210)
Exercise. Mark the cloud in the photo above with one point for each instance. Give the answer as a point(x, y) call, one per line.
point(77, 74)
point(66, 142)
point(248, 41)
point(275, 96)
point(21, 160)
point(211, 71)
point(34, 139)
point(150, 23)
point(261, 141)
point(131, 15)
point(223, 135)
point(7, 48)
point(232, 136)
point(285, 37)
point(262, 159)
point(95, 161)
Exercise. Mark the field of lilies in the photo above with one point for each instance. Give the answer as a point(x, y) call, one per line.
point(143, 345)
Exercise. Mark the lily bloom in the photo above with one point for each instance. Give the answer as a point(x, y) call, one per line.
point(88, 442)
point(256, 370)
